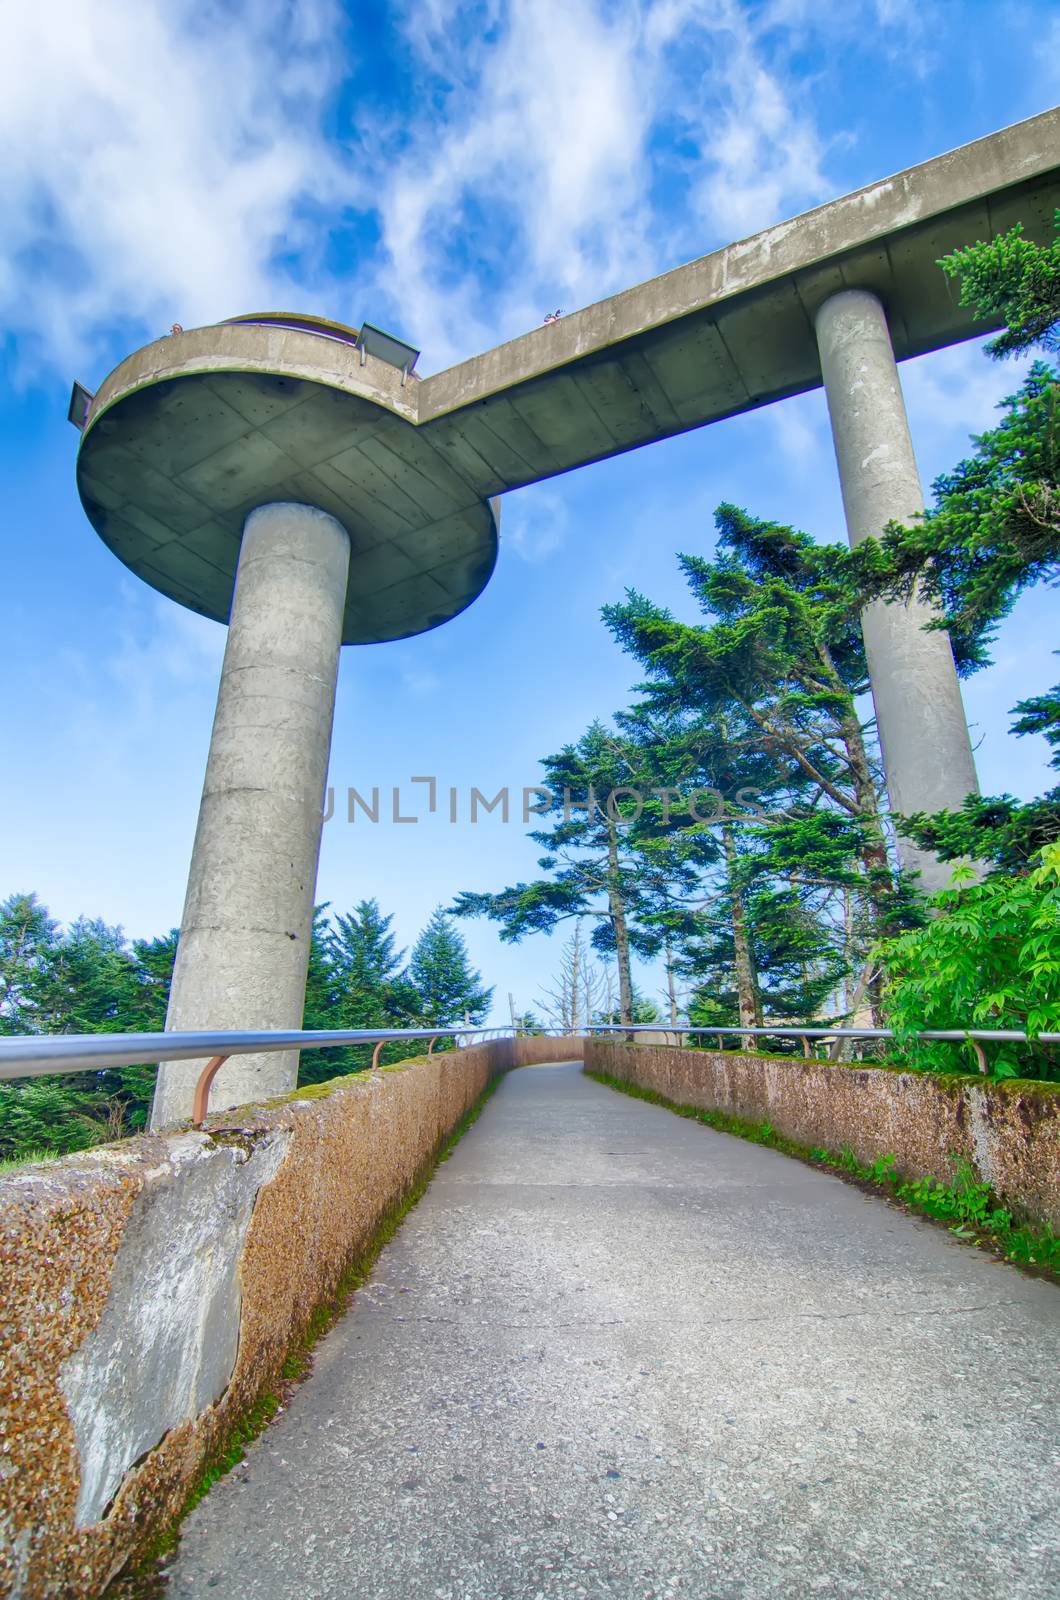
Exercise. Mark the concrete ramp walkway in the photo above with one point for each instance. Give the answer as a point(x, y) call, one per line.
point(613, 1353)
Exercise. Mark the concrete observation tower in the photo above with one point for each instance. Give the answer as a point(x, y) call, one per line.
point(290, 476)
point(266, 473)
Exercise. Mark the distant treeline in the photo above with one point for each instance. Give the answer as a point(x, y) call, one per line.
point(88, 978)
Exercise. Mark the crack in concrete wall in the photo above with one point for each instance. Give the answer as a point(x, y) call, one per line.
point(165, 1347)
point(151, 1292)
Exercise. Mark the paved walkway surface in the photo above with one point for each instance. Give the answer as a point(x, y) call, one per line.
point(613, 1353)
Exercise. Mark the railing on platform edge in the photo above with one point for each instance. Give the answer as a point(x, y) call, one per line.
point(970, 1036)
point(39, 1055)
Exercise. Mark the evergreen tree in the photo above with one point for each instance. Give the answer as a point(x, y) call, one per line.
point(1013, 280)
point(776, 674)
point(28, 937)
point(689, 864)
point(370, 988)
point(448, 987)
point(992, 532)
point(154, 963)
point(644, 1008)
point(92, 981)
point(86, 980)
point(321, 1010)
point(588, 858)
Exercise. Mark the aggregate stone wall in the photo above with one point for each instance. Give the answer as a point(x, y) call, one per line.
point(151, 1290)
point(1008, 1131)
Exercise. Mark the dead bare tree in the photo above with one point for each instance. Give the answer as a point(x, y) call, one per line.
point(576, 993)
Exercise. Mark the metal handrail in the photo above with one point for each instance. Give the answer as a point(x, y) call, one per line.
point(972, 1036)
point(31, 1055)
point(953, 1035)
point(41, 1055)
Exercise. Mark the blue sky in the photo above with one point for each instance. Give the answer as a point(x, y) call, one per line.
point(451, 172)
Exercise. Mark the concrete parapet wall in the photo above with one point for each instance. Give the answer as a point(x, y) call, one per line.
point(1009, 1132)
point(151, 1291)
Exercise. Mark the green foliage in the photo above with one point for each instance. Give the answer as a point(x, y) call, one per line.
point(969, 1208)
point(90, 979)
point(448, 987)
point(47, 1116)
point(644, 1008)
point(989, 959)
point(357, 979)
point(1004, 833)
point(86, 980)
point(763, 699)
point(587, 861)
point(28, 938)
point(1009, 279)
point(1041, 714)
point(993, 530)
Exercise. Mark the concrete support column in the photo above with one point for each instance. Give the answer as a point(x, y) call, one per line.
point(244, 937)
point(927, 754)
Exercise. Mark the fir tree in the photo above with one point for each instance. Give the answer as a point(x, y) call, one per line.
point(87, 979)
point(28, 938)
point(992, 532)
point(367, 987)
point(587, 860)
point(448, 987)
point(776, 673)
point(1014, 281)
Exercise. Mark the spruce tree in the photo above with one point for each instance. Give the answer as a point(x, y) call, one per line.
point(447, 986)
point(28, 937)
point(86, 979)
point(367, 988)
point(588, 863)
point(777, 673)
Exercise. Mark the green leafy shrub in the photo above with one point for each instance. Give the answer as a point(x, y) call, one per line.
point(990, 958)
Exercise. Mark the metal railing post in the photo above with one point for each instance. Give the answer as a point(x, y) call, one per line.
point(201, 1103)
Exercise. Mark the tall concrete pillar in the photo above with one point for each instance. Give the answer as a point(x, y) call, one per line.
point(927, 754)
point(244, 937)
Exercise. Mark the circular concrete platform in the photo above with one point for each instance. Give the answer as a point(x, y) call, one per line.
point(192, 433)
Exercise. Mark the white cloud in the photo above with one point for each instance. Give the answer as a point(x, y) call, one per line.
point(156, 157)
point(761, 157)
point(171, 160)
point(534, 524)
point(544, 173)
point(530, 170)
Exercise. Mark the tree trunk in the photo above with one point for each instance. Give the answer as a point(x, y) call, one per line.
point(874, 860)
point(618, 922)
point(746, 979)
point(575, 975)
point(671, 988)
